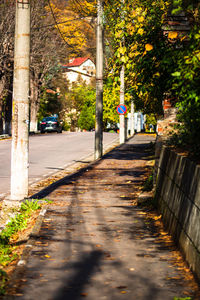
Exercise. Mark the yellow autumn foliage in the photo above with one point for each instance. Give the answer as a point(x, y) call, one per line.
point(148, 47)
point(172, 35)
point(140, 31)
point(140, 19)
point(74, 23)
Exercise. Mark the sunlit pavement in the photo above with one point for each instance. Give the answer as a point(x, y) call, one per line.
point(96, 243)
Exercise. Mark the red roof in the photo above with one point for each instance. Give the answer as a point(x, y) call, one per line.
point(77, 62)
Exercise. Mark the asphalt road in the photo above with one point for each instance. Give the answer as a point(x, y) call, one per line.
point(49, 153)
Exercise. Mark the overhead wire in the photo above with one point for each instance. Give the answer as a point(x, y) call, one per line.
point(57, 23)
point(53, 15)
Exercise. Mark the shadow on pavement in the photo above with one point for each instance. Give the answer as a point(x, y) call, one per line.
point(124, 152)
point(95, 242)
point(83, 270)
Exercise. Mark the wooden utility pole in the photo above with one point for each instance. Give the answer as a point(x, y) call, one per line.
point(99, 82)
point(20, 113)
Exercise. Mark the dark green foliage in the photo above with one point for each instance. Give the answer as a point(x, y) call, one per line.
point(148, 184)
point(86, 119)
point(50, 104)
point(186, 89)
point(3, 280)
point(81, 106)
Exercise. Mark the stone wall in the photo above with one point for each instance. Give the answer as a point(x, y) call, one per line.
point(178, 196)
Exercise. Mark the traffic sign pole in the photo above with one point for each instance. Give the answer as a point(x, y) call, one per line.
point(121, 109)
point(121, 117)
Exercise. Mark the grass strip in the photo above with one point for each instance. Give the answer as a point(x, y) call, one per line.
point(8, 238)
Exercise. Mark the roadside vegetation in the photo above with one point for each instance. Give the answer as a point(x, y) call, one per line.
point(161, 61)
point(11, 235)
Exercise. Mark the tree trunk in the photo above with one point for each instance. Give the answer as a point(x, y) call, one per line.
point(34, 105)
point(8, 114)
point(1, 119)
point(2, 89)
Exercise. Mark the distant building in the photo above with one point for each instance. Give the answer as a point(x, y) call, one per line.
point(80, 67)
point(139, 120)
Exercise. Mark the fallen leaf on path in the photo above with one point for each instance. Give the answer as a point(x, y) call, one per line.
point(43, 280)
point(47, 256)
point(163, 233)
point(157, 218)
point(44, 244)
point(187, 293)
point(83, 294)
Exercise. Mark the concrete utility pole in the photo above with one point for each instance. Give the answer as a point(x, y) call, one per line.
point(132, 119)
point(99, 82)
point(20, 113)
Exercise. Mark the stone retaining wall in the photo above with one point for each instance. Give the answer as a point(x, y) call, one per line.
point(178, 197)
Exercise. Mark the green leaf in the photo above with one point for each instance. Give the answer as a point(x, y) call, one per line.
point(176, 74)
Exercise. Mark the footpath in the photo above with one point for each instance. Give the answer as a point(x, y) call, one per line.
point(96, 242)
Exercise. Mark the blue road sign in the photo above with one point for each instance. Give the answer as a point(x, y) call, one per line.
point(121, 109)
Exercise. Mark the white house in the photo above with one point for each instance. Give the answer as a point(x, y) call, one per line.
point(79, 67)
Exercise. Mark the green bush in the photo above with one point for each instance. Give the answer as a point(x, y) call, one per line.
point(66, 126)
point(86, 119)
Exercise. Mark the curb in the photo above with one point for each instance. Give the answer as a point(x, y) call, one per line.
point(31, 239)
point(77, 172)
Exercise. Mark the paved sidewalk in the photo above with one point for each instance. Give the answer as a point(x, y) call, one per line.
point(96, 243)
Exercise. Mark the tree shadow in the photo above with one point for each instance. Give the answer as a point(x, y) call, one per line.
point(83, 269)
